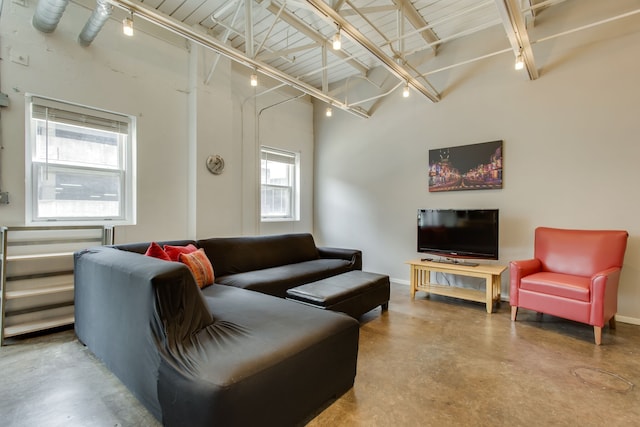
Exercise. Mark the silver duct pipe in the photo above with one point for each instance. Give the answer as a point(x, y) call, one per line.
point(96, 21)
point(48, 14)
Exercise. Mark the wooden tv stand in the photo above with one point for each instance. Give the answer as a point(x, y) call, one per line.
point(421, 273)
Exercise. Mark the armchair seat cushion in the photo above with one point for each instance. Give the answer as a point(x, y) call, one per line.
point(561, 285)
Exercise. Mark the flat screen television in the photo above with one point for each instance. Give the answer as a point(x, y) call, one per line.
point(453, 233)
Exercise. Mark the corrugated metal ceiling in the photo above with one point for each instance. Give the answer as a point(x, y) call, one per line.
point(281, 29)
point(292, 38)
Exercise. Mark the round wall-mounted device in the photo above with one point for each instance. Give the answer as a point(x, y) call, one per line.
point(215, 164)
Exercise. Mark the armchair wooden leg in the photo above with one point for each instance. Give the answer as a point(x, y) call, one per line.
point(612, 322)
point(514, 312)
point(597, 332)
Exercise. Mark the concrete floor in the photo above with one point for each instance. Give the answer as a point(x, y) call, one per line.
point(429, 362)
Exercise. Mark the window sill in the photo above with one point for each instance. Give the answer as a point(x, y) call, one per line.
point(279, 220)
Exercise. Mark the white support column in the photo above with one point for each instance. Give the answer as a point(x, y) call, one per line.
point(192, 142)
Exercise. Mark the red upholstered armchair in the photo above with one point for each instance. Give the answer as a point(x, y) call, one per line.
point(574, 275)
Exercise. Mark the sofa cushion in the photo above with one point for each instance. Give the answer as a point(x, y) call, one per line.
point(174, 251)
point(263, 360)
point(155, 250)
point(276, 280)
point(200, 267)
point(232, 255)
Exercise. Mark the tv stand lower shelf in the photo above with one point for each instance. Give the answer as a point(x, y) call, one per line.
point(421, 281)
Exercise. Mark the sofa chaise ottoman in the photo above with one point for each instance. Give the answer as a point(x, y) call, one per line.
point(353, 293)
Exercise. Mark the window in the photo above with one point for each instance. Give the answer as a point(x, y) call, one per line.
point(79, 164)
point(279, 177)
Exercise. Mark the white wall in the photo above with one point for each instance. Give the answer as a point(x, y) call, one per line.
point(181, 120)
point(112, 74)
point(570, 150)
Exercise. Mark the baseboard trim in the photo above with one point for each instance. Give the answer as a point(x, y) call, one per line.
point(622, 319)
point(627, 319)
point(400, 282)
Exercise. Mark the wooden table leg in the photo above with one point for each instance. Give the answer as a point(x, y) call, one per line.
point(412, 280)
point(488, 281)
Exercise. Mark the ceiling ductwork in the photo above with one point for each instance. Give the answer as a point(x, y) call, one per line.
point(48, 14)
point(96, 21)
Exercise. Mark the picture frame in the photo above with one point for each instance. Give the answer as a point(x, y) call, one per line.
point(466, 167)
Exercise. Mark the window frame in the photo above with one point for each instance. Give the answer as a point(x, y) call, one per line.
point(294, 214)
point(97, 119)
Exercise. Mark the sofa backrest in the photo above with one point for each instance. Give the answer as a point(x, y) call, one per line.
point(232, 255)
point(142, 247)
point(579, 252)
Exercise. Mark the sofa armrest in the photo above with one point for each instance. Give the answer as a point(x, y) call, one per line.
point(518, 270)
point(353, 255)
point(604, 295)
point(130, 311)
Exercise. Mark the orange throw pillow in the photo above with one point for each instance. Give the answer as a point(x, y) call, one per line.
point(154, 250)
point(174, 251)
point(200, 266)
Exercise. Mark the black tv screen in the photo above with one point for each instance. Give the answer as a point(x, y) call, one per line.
point(471, 233)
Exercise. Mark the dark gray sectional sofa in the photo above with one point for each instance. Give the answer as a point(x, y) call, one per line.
point(223, 355)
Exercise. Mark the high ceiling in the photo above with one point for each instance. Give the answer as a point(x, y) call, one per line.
point(291, 40)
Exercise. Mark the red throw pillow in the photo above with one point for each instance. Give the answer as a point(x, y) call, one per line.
point(200, 266)
point(174, 251)
point(154, 250)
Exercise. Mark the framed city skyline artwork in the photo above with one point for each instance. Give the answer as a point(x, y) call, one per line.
point(466, 167)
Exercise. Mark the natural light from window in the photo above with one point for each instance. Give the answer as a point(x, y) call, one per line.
point(279, 182)
point(81, 165)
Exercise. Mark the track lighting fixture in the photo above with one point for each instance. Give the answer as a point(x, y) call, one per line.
point(329, 112)
point(254, 79)
point(337, 40)
point(519, 62)
point(127, 25)
point(405, 91)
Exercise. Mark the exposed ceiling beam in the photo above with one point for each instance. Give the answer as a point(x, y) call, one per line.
point(248, 29)
point(286, 52)
point(399, 71)
point(417, 21)
point(325, 73)
point(311, 33)
point(338, 5)
point(528, 12)
point(268, 33)
point(447, 18)
point(225, 38)
point(177, 27)
point(517, 34)
point(368, 10)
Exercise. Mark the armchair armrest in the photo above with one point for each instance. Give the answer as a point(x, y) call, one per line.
point(604, 295)
point(517, 270)
point(353, 255)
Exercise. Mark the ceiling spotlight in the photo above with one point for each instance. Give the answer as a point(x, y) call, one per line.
point(337, 41)
point(519, 62)
point(254, 80)
point(329, 112)
point(405, 91)
point(127, 25)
